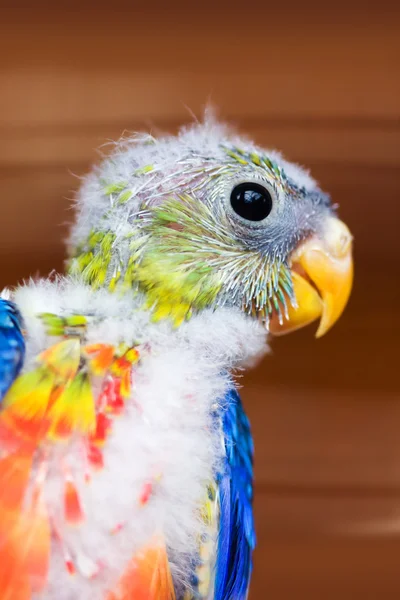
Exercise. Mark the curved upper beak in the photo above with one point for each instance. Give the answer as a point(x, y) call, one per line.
point(322, 274)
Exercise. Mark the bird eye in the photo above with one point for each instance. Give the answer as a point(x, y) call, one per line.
point(251, 201)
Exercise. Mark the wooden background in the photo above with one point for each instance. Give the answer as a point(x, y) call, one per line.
point(322, 84)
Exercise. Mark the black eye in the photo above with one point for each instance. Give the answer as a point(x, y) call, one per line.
point(251, 201)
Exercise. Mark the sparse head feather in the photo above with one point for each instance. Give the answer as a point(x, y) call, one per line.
point(157, 216)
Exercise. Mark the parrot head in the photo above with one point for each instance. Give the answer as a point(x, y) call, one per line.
point(207, 219)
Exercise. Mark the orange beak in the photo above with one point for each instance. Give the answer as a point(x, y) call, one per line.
point(322, 273)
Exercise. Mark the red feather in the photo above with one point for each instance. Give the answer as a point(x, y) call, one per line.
point(72, 505)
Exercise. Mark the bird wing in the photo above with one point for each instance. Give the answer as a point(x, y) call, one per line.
point(12, 344)
point(222, 569)
point(57, 416)
point(236, 539)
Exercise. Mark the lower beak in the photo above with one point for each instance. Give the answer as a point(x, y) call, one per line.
point(322, 274)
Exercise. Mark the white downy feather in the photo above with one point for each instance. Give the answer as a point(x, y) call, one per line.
point(166, 430)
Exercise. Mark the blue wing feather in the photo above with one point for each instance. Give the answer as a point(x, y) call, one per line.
point(12, 345)
point(235, 486)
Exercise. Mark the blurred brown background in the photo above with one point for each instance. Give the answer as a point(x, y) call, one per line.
point(322, 84)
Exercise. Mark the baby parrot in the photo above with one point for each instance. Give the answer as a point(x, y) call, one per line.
point(125, 453)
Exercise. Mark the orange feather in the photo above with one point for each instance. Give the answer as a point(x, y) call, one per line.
point(14, 477)
point(72, 505)
point(147, 577)
point(101, 357)
point(126, 378)
point(20, 588)
point(24, 549)
point(35, 537)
